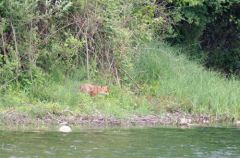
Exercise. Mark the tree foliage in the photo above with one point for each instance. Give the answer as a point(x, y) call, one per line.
point(38, 37)
point(212, 26)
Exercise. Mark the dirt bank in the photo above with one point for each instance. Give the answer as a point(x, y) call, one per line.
point(177, 119)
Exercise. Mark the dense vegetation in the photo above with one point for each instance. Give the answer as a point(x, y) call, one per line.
point(212, 28)
point(47, 48)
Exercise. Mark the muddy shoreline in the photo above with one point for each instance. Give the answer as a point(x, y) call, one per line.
point(176, 119)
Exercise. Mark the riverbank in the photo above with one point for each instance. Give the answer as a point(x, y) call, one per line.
point(14, 120)
point(162, 89)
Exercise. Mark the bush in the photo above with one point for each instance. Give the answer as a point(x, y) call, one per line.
point(63, 36)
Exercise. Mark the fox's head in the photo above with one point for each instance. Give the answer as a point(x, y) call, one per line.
point(103, 90)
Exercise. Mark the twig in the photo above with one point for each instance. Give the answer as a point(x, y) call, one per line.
point(86, 47)
point(30, 53)
point(87, 55)
point(54, 118)
point(66, 110)
point(3, 44)
point(117, 77)
point(130, 78)
point(16, 49)
point(57, 31)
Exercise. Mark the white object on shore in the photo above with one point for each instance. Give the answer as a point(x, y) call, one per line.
point(64, 128)
point(185, 121)
point(238, 123)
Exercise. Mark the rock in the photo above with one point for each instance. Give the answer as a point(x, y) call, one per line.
point(65, 128)
point(238, 123)
point(205, 121)
point(185, 121)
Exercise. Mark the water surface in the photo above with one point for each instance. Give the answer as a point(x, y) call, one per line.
point(123, 143)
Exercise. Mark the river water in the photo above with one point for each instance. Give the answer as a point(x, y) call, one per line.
point(123, 143)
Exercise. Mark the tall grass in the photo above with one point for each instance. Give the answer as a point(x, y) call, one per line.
point(184, 84)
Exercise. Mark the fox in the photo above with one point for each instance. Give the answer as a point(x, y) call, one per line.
point(93, 90)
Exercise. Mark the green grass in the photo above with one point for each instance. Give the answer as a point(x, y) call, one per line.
point(183, 84)
point(57, 97)
point(168, 82)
